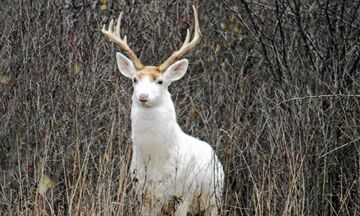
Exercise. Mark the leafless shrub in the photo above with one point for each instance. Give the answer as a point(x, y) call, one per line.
point(273, 86)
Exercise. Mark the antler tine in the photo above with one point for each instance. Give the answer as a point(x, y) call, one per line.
point(118, 24)
point(111, 25)
point(114, 36)
point(186, 42)
point(186, 47)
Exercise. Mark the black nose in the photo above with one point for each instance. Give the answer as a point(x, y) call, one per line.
point(143, 100)
point(143, 97)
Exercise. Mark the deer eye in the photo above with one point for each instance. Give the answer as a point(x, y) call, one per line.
point(135, 80)
point(160, 82)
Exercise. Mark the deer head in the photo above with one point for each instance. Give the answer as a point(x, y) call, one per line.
point(151, 82)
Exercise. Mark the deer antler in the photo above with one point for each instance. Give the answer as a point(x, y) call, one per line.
point(186, 47)
point(114, 36)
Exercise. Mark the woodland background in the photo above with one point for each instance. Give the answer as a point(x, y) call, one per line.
point(273, 87)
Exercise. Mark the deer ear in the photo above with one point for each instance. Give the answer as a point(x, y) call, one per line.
point(176, 70)
point(125, 66)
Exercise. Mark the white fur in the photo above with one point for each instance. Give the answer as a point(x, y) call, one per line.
point(166, 161)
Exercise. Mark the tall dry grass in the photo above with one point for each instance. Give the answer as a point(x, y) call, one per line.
point(273, 87)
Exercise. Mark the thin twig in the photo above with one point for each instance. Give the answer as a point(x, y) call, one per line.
point(340, 147)
point(310, 97)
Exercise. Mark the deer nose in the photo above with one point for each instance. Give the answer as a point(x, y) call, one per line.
point(143, 97)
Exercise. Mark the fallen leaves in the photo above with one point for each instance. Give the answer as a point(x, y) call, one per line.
point(6, 80)
point(103, 5)
point(193, 113)
point(45, 184)
point(75, 69)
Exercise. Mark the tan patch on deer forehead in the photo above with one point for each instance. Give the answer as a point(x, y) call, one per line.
point(152, 71)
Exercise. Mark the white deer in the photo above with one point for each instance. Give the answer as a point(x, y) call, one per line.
point(174, 171)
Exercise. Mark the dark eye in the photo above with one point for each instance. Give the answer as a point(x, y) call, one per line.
point(160, 82)
point(135, 80)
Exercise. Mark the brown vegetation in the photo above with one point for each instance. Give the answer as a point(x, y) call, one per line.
point(273, 86)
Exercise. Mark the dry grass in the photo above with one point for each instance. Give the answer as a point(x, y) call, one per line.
point(273, 86)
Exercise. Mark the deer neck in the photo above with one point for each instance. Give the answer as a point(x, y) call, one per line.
point(155, 131)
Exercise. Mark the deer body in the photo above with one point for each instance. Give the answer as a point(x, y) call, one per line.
point(171, 162)
point(175, 173)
